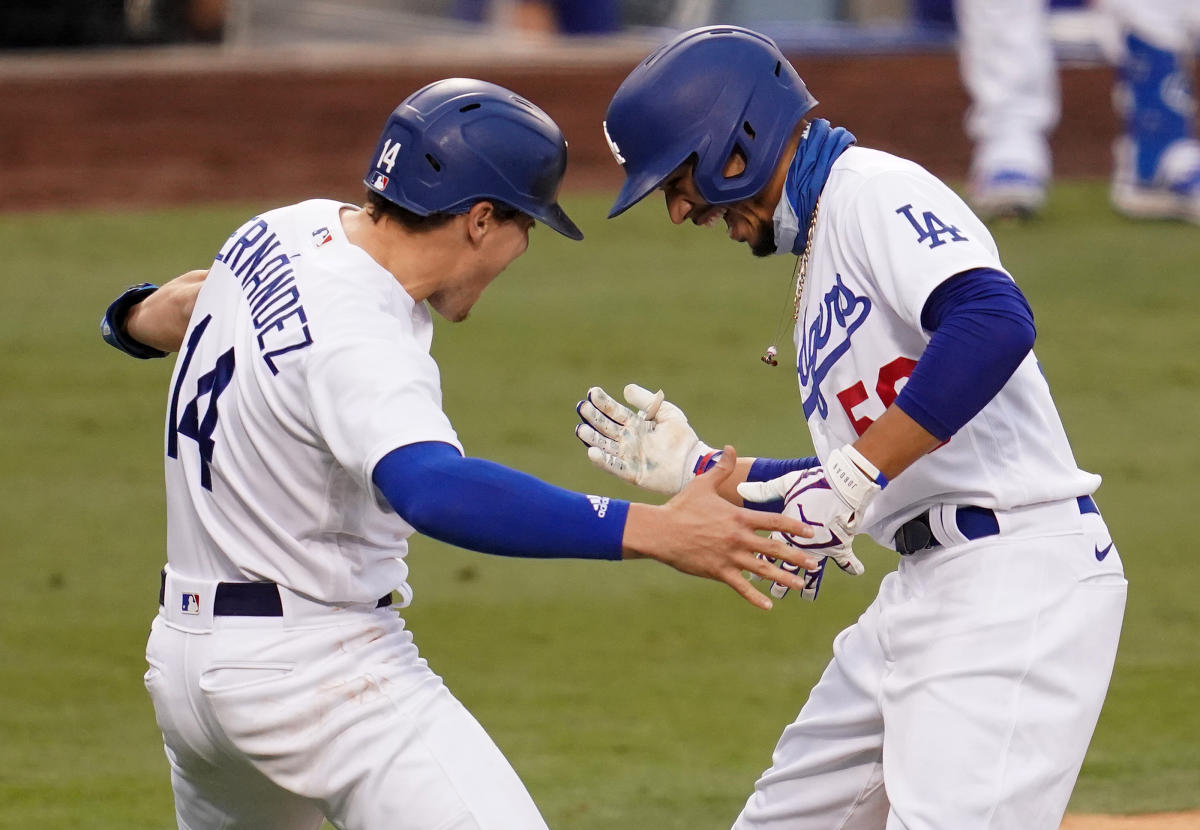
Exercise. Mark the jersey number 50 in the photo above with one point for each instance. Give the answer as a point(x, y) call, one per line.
point(887, 387)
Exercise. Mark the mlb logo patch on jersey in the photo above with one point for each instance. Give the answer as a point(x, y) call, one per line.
point(321, 236)
point(190, 603)
point(380, 181)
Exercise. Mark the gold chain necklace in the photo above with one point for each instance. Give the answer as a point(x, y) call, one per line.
point(802, 262)
point(769, 357)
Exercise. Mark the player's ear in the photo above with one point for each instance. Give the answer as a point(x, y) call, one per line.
point(735, 165)
point(480, 219)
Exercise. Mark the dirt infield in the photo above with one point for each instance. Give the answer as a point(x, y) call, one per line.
point(142, 132)
point(1156, 821)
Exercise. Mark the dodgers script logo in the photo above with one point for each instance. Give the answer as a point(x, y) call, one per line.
point(841, 313)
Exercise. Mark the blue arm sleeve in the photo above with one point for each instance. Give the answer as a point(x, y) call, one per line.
point(982, 329)
point(487, 507)
point(765, 469)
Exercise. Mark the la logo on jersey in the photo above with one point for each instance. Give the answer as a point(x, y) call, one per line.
point(933, 228)
point(599, 504)
point(190, 604)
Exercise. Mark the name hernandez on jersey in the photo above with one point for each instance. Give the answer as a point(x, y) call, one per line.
point(306, 362)
point(254, 254)
point(887, 235)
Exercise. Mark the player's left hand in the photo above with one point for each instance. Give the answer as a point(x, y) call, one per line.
point(831, 500)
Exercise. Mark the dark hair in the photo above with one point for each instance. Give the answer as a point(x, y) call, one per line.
point(379, 207)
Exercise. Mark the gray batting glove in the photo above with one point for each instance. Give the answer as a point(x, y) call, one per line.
point(830, 499)
point(652, 445)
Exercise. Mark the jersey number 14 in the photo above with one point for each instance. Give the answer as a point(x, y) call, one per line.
point(191, 423)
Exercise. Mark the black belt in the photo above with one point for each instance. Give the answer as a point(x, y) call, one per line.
point(916, 534)
point(249, 599)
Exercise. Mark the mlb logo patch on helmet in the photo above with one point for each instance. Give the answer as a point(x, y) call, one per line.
point(379, 181)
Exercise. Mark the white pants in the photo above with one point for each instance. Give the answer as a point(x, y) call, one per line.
point(1007, 63)
point(275, 723)
point(967, 693)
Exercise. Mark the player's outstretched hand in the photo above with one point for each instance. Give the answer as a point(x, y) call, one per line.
point(830, 504)
point(652, 445)
point(700, 533)
point(161, 320)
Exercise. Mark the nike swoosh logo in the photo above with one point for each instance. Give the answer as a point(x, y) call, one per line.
point(1100, 554)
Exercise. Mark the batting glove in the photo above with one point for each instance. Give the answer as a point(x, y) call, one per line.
point(652, 446)
point(831, 499)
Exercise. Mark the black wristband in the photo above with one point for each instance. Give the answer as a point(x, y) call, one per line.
point(112, 325)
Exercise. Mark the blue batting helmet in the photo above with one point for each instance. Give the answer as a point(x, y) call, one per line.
point(460, 141)
point(707, 92)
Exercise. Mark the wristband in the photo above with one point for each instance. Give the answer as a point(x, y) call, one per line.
point(112, 324)
point(706, 462)
point(866, 466)
point(856, 486)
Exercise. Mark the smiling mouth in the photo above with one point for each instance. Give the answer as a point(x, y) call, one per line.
point(710, 217)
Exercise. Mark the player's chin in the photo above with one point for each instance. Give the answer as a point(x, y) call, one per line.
point(763, 243)
point(454, 310)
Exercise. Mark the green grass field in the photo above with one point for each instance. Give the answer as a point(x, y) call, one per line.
point(627, 696)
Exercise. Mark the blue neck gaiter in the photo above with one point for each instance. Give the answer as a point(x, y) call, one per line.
point(818, 150)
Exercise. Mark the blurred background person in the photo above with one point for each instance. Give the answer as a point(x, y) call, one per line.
point(1006, 55)
point(570, 17)
point(36, 24)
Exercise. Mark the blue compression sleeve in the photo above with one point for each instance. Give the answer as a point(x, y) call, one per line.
point(982, 329)
point(765, 469)
point(487, 507)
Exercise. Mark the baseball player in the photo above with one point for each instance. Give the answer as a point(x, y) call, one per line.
point(966, 694)
point(305, 441)
point(1006, 56)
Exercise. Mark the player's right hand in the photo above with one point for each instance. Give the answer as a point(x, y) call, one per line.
point(652, 445)
point(700, 533)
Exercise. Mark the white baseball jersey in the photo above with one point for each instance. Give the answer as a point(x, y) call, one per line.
point(269, 467)
point(888, 233)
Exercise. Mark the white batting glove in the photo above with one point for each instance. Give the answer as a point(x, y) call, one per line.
point(812, 579)
point(832, 500)
point(653, 447)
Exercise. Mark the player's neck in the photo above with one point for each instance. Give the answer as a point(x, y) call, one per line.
point(420, 262)
point(768, 198)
